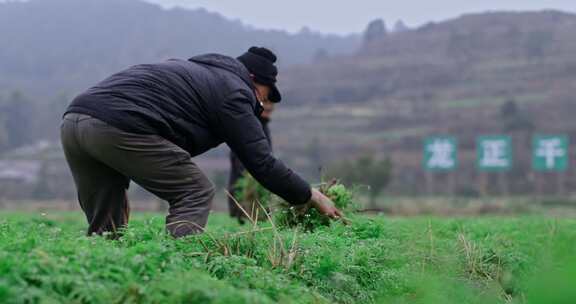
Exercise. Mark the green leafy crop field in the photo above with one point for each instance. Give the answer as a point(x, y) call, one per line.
point(45, 258)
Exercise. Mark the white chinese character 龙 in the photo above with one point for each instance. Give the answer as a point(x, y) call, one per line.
point(442, 151)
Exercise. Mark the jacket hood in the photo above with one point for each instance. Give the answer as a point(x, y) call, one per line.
point(227, 63)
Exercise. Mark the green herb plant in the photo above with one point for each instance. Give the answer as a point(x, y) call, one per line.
point(288, 216)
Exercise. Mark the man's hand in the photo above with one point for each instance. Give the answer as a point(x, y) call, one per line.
point(324, 205)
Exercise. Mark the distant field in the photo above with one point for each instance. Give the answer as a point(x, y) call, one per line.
point(45, 258)
point(481, 206)
point(494, 101)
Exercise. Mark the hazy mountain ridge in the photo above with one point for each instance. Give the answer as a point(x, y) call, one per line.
point(62, 46)
point(459, 77)
point(441, 60)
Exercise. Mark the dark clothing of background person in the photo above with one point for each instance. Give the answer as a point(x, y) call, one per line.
point(236, 172)
point(193, 105)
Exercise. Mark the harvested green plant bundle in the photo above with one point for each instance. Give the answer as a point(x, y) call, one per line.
point(287, 215)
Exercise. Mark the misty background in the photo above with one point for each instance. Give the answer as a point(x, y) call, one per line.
point(344, 17)
point(362, 81)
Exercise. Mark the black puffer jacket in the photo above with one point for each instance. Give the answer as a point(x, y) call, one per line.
point(197, 104)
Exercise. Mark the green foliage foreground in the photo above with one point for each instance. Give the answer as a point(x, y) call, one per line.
point(46, 259)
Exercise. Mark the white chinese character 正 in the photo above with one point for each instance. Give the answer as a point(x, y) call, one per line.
point(495, 154)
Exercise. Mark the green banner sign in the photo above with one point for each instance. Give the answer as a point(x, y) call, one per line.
point(440, 153)
point(550, 153)
point(494, 153)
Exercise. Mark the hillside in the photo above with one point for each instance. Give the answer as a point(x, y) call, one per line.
point(452, 77)
point(489, 73)
point(465, 67)
point(470, 55)
point(52, 47)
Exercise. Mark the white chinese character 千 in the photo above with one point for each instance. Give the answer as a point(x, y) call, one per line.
point(550, 149)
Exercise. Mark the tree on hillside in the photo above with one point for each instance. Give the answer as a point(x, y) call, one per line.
point(509, 108)
point(366, 170)
point(513, 119)
point(520, 126)
point(4, 144)
point(17, 116)
point(375, 31)
point(461, 46)
point(314, 154)
point(514, 38)
point(537, 43)
point(400, 27)
point(50, 116)
point(320, 55)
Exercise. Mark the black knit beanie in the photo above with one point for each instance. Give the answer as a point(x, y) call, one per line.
point(260, 62)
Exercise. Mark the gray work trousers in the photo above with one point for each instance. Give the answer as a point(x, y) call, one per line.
point(103, 160)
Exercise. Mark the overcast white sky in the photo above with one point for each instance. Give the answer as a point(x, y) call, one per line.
point(345, 16)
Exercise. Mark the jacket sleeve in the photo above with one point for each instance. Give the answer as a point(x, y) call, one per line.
point(267, 133)
point(244, 134)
